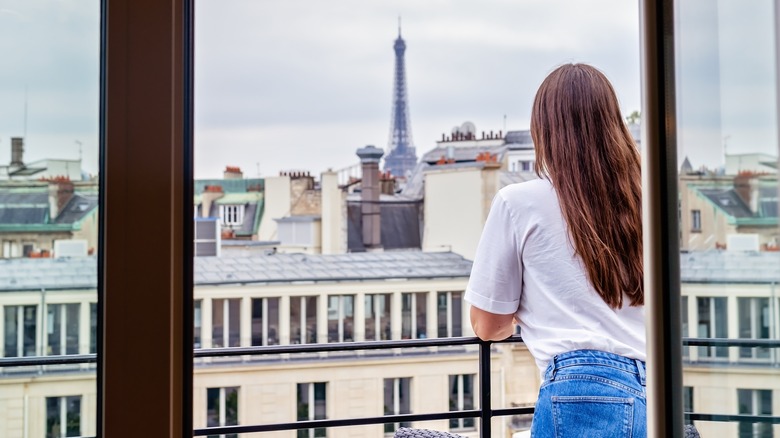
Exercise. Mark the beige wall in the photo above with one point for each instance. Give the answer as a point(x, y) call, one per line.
point(334, 215)
point(278, 197)
point(267, 393)
point(457, 202)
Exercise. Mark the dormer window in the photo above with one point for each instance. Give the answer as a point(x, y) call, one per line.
point(231, 214)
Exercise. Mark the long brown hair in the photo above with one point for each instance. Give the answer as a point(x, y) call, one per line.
point(586, 151)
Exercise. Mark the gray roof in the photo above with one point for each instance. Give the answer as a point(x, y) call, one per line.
point(463, 154)
point(283, 268)
point(522, 137)
point(730, 267)
point(81, 273)
point(30, 206)
point(78, 207)
point(727, 200)
point(400, 225)
point(37, 274)
point(23, 207)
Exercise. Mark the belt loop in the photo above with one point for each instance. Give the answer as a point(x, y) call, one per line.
point(640, 366)
point(554, 368)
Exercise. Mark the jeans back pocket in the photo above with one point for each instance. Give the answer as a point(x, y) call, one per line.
point(592, 416)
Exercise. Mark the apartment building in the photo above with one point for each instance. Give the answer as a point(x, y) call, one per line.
point(48, 308)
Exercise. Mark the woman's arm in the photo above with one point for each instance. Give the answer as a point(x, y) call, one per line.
point(490, 326)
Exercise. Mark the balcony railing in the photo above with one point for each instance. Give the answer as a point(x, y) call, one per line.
point(485, 412)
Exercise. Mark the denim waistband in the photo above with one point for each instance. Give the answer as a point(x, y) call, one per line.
point(597, 357)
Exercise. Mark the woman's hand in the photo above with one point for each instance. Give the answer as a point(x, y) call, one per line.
point(490, 326)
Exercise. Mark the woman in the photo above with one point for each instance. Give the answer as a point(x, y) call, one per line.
point(562, 257)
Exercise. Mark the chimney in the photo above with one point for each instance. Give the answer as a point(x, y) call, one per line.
point(746, 186)
point(233, 172)
point(60, 193)
point(17, 151)
point(369, 196)
point(386, 183)
point(207, 198)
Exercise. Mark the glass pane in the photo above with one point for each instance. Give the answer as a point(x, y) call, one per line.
point(72, 316)
point(231, 406)
point(283, 101)
point(422, 312)
point(234, 309)
point(218, 313)
point(257, 321)
point(727, 140)
point(54, 325)
point(406, 316)
point(212, 407)
point(49, 167)
point(457, 314)
point(197, 322)
point(273, 321)
point(371, 317)
point(441, 308)
point(311, 320)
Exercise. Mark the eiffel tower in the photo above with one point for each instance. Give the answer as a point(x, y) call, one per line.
point(401, 157)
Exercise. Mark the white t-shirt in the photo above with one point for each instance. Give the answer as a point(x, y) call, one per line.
point(525, 265)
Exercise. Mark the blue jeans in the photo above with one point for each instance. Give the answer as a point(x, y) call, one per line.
point(591, 394)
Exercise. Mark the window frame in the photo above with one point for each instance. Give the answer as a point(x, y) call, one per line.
point(150, 115)
point(63, 403)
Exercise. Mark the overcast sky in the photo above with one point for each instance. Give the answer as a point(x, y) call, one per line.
point(301, 84)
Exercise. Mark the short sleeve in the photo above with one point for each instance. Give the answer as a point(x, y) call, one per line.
point(495, 284)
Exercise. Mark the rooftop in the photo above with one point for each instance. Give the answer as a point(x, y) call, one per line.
point(81, 273)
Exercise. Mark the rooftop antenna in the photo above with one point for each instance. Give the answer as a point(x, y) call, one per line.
point(399, 26)
point(79, 143)
point(24, 133)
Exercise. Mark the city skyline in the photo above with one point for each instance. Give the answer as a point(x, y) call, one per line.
point(300, 91)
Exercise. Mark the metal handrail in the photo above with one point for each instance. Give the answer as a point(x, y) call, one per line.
point(347, 346)
point(485, 413)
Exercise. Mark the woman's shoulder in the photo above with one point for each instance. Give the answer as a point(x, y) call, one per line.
point(532, 190)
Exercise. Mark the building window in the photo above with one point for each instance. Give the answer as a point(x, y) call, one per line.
point(526, 166)
point(63, 416)
point(755, 402)
point(20, 330)
point(265, 321)
point(696, 220)
point(226, 322)
point(10, 249)
point(688, 401)
point(753, 324)
point(397, 401)
point(197, 318)
point(303, 320)
point(231, 214)
point(377, 317)
point(93, 317)
point(341, 318)
point(414, 308)
point(62, 329)
point(312, 406)
point(222, 409)
point(712, 324)
point(462, 398)
point(449, 306)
